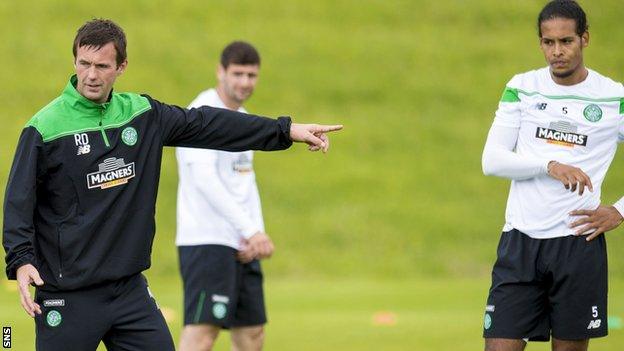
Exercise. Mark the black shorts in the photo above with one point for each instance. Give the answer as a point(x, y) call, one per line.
point(544, 287)
point(122, 313)
point(218, 289)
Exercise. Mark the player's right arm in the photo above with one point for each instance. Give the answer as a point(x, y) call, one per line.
point(19, 206)
point(212, 190)
point(500, 158)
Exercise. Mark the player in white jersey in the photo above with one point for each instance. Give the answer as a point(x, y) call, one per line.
point(555, 134)
point(220, 230)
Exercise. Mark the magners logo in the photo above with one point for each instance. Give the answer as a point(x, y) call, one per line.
point(112, 172)
point(243, 164)
point(561, 133)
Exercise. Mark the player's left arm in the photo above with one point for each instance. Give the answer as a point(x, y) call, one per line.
point(603, 218)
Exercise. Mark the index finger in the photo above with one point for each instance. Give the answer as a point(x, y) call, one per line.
point(25, 306)
point(585, 182)
point(582, 212)
point(327, 128)
point(589, 184)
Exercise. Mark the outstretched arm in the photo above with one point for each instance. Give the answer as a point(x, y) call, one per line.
point(214, 128)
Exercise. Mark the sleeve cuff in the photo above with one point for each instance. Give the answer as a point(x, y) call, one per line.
point(545, 163)
point(284, 130)
point(619, 206)
point(11, 270)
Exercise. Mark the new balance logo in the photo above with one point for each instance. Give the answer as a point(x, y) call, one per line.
point(84, 149)
point(595, 324)
point(541, 106)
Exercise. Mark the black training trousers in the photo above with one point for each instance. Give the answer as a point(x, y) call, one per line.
point(123, 314)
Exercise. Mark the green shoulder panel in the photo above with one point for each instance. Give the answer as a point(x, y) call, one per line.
point(63, 117)
point(124, 108)
point(35, 120)
point(510, 95)
point(622, 106)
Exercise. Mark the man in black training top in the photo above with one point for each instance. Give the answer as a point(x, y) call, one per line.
point(80, 199)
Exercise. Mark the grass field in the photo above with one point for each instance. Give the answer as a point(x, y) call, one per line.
point(347, 314)
point(397, 216)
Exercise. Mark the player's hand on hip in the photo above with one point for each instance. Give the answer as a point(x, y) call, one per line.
point(600, 220)
point(573, 178)
point(26, 275)
point(313, 134)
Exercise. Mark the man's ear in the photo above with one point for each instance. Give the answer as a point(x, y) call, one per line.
point(585, 39)
point(122, 67)
point(220, 72)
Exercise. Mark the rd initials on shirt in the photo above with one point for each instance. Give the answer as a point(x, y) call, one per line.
point(82, 141)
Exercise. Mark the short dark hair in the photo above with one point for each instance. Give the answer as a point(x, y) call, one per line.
point(99, 32)
point(563, 9)
point(239, 53)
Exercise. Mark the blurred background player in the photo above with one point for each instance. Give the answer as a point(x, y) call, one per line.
point(220, 230)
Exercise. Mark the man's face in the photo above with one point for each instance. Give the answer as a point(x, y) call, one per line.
point(562, 47)
point(97, 70)
point(238, 81)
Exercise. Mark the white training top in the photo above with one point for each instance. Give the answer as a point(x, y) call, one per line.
point(539, 121)
point(218, 200)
